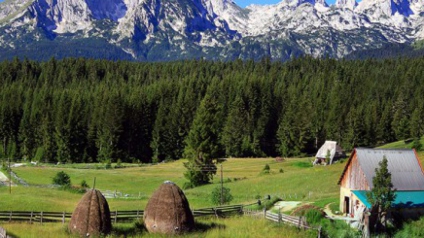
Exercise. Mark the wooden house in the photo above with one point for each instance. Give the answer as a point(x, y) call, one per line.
point(407, 178)
point(330, 151)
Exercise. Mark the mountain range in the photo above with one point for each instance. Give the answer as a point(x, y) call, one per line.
point(163, 30)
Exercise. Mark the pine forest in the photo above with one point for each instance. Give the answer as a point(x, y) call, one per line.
point(83, 110)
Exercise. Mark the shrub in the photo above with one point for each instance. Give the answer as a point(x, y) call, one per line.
point(62, 179)
point(267, 202)
point(216, 195)
point(118, 164)
point(314, 216)
point(417, 144)
point(266, 169)
point(84, 184)
point(281, 171)
point(108, 165)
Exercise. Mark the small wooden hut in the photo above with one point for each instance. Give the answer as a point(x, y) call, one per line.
point(91, 216)
point(329, 152)
point(167, 211)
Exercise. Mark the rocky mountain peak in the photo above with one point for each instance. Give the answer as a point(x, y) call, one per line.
point(215, 28)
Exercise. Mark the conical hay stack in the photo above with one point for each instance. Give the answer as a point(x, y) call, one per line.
point(92, 215)
point(168, 211)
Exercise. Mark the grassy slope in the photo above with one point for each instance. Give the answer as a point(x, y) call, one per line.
point(295, 183)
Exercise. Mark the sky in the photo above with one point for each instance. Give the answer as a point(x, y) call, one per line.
point(244, 3)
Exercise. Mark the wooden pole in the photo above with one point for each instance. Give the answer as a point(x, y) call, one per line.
point(279, 216)
point(10, 178)
point(222, 186)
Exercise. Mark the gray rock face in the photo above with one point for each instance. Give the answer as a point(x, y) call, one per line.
point(214, 29)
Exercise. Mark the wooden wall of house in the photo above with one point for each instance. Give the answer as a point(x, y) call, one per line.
point(354, 178)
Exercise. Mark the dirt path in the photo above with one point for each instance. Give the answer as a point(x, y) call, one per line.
point(328, 211)
point(333, 216)
point(286, 206)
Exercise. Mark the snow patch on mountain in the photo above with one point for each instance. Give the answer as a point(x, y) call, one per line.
point(310, 25)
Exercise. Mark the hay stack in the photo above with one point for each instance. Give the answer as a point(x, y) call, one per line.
point(92, 215)
point(168, 211)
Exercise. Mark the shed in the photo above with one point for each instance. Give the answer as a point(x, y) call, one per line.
point(329, 149)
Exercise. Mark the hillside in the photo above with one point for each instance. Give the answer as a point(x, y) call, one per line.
point(79, 110)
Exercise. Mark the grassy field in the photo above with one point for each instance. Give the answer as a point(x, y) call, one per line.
point(293, 179)
point(206, 227)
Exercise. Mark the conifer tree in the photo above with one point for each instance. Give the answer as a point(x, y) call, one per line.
point(203, 140)
point(382, 195)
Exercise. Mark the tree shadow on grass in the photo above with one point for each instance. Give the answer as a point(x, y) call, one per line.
point(204, 227)
point(129, 229)
point(138, 229)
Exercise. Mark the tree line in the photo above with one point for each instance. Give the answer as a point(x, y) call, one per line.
point(85, 110)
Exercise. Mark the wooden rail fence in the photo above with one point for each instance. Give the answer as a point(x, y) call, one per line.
point(115, 216)
point(279, 217)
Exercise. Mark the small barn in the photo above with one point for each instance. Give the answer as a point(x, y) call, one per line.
point(331, 150)
point(407, 178)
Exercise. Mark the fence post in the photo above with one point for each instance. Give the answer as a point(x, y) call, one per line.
point(137, 214)
point(279, 216)
point(30, 219)
point(264, 212)
point(116, 216)
point(10, 216)
point(298, 225)
point(319, 231)
point(41, 220)
point(63, 218)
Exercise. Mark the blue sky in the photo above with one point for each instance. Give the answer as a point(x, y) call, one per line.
point(244, 3)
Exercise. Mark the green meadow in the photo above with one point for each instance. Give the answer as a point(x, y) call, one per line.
point(293, 179)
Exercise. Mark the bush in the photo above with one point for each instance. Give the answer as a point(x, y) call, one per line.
point(266, 169)
point(417, 144)
point(108, 165)
point(84, 184)
point(216, 195)
point(267, 202)
point(314, 216)
point(118, 164)
point(62, 179)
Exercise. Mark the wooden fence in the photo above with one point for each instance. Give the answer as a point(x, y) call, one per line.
point(281, 218)
point(115, 216)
